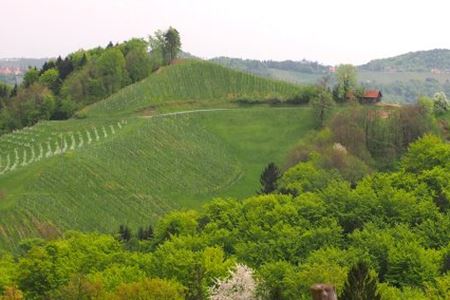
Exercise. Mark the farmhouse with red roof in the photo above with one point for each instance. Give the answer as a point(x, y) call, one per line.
point(371, 97)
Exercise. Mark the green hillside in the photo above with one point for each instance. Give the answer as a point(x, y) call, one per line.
point(191, 84)
point(116, 167)
point(420, 61)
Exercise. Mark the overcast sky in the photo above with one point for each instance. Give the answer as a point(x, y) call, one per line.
point(328, 31)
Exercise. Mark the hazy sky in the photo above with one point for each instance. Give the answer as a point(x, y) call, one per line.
point(328, 31)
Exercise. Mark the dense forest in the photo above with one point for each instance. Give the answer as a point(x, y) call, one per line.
point(64, 85)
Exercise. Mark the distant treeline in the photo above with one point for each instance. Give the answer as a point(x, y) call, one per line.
point(420, 61)
point(262, 67)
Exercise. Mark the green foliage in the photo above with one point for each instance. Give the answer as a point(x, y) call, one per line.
point(138, 63)
point(305, 177)
point(176, 223)
point(172, 44)
point(426, 154)
point(150, 289)
point(360, 284)
point(50, 79)
point(277, 280)
point(191, 264)
point(346, 83)
point(427, 104)
point(8, 271)
point(110, 67)
point(30, 77)
point(322, 106)
point(411, 264)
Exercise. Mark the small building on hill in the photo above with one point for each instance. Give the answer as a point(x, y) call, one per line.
point(371, 97)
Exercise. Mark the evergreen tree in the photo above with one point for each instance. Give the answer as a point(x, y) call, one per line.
point(149, 232)
point(14, 91)
point(269, 179)
point(65, 67)
point(360, 285)
point(124, 233)
point(141, 234)
point(83, 60)
point(145, 233)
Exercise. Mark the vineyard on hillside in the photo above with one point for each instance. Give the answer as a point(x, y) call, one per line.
point(200, 83)
point(48, 139)
point(139, 171)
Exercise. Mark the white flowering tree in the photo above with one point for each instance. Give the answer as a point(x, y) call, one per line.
point(441, 104)
point(240, 285)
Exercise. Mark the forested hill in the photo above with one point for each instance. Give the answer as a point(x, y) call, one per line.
point(273, 69)
point(436, 60)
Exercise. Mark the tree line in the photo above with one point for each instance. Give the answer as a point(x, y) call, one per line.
point(63, 86)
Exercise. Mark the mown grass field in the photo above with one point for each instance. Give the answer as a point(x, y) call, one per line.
point(117, 166)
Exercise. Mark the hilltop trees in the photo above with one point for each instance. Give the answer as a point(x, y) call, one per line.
point(137, 60)
point(165, 46)
point(172, 44)
point(111, 70)
point(84, 77)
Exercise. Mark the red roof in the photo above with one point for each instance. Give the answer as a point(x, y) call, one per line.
point(372, 94)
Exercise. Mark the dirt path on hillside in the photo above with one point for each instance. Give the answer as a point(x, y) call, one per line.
point(187, 112)
point(205, 110)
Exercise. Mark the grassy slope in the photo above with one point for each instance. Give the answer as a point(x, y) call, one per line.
point(199, 84)
point(117, 167)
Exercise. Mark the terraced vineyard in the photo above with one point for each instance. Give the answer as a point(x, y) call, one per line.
point(105, 170)
point(48, 139)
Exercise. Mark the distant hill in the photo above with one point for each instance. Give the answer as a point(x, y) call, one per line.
point(303, 71)
point(436, 61)
point(402, 78)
